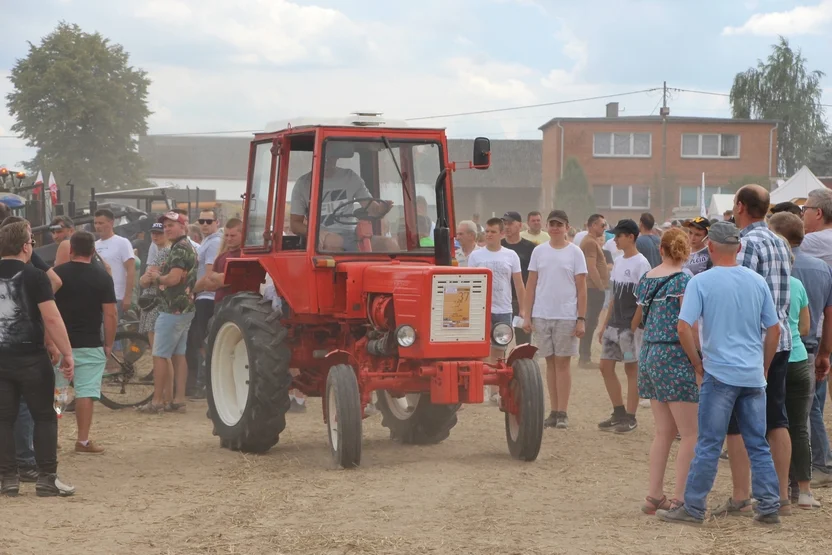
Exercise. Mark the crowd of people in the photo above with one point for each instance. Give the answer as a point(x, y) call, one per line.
point(722, 325)
point(66, 317)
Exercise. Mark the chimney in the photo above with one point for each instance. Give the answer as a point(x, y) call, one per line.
point(612, 109)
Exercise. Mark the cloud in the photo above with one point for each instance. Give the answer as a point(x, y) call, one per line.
point(802, 20)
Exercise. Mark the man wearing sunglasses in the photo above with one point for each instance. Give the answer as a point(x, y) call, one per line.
point(204, 305)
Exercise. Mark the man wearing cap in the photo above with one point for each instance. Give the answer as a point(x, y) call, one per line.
point(768, 255)
point(699, 259)
point(734, 304)
point(618, 342)
point(556, 308)
point(513, 240)
point(176, 280)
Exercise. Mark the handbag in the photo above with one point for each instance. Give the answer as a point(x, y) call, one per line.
point(645, 309)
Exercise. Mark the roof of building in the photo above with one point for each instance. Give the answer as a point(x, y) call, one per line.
point(514, 163)
point(656, 119)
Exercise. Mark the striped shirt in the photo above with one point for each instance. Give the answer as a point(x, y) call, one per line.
point(768, 255)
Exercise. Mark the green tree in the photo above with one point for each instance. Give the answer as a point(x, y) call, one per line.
point(820, 159)
point(573, 195)
point(783, 89)
point(77, 101)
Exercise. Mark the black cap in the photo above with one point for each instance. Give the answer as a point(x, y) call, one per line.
point(699, 223)
point(626, 226)
point(558, 216)
point(512, 216)
point(157, 228)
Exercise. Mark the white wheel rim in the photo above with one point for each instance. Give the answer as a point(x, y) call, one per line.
point(332, 415)
point(230, 374)
point(402, 407)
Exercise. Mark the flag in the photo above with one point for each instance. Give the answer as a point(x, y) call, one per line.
point(703, 210)
point(39, 184)
point(53, 188)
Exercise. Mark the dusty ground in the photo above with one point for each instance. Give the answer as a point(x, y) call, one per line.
point(164, 486)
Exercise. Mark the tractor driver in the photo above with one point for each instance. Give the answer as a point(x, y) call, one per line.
point(340, 185)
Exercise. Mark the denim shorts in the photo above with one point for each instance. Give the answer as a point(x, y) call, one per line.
point(171, 334)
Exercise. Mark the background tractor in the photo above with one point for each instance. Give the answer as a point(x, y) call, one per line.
point(370, 297)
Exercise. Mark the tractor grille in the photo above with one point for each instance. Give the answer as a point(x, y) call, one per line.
point(458, 305)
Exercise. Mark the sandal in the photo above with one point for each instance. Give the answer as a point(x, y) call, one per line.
point(150, 408)
point(652, 505)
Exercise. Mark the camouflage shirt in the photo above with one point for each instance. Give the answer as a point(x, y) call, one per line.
point(177, 299)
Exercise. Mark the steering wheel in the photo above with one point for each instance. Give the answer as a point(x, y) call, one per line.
point(360, 213)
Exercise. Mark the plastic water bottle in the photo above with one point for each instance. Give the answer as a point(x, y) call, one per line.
point(61, 397)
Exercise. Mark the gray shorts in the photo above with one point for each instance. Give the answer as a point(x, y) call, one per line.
point(621, 345)
point(555, 337)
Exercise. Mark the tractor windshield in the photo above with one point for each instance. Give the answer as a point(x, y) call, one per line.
point(371, 189)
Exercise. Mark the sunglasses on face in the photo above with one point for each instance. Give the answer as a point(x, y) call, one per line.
point(205, 222)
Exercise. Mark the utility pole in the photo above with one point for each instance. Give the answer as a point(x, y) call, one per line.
point(664, 113)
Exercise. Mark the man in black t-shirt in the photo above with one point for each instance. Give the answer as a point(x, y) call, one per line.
point(513, 223)
point(28, 316)
point(86, 299)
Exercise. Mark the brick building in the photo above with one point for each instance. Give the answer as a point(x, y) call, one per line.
point(622, 159)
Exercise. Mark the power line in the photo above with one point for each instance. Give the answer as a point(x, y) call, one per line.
point(710, 93)
point(532, 105)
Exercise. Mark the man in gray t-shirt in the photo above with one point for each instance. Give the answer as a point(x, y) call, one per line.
point(340, 186)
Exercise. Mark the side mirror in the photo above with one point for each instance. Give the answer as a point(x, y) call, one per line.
point(482, 153)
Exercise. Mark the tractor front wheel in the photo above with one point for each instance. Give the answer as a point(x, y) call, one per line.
point(524, 430)
point(343, 416)
point(414, 419)
point(248, 386)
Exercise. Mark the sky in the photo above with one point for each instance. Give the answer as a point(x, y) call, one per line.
point(219, 66)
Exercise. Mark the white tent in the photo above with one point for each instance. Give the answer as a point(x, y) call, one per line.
point(719, 204)
point(797, 187)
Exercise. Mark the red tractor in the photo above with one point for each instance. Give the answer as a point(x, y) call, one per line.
point(371, 299)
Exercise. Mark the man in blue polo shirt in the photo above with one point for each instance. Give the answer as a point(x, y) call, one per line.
point(734, 304)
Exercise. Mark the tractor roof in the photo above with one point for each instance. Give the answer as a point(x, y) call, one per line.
point(356, 119)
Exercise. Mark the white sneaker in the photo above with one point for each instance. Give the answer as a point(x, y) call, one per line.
point(808, 501)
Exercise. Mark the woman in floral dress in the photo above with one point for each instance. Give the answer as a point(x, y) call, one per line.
point(665, 375)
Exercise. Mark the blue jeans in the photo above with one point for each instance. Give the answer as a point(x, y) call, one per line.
point(716, 401)
point(24, 437)
point(821, 456)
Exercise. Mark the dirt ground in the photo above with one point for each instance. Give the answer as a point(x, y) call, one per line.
point(165, 487)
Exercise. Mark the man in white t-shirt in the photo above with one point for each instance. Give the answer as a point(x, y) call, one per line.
point(619, 343)
point(556, 308)
point(117, 252)
point(466, 234)
point(505, 269)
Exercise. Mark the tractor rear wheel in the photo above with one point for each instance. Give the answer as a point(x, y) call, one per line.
point(343, 416)
point(524, 430)
point(248, 384)
point(413, 419)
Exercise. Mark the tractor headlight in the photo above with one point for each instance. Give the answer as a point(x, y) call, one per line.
point(405, 336)
point(502, 334)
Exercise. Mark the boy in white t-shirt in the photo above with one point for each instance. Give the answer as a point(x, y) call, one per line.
point(556, 309)
point(505, 268)
point(618, 342)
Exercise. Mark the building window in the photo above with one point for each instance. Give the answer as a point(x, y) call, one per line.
point(689, 196)
point(621, 196)
point(625, 145)
point(708, 145)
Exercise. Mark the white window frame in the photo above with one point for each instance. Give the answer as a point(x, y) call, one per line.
point(728, 190)
point(719, 146)
point(610, 206)
point(632, 144)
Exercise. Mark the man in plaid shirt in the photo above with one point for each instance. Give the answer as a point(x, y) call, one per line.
point(768, 255)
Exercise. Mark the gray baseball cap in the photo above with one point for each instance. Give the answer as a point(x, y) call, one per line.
point(724, 233)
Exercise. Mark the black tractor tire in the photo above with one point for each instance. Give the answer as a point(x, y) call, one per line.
point(427, 424)
point(524, 432)
point(343, 413)
point(264, 416)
